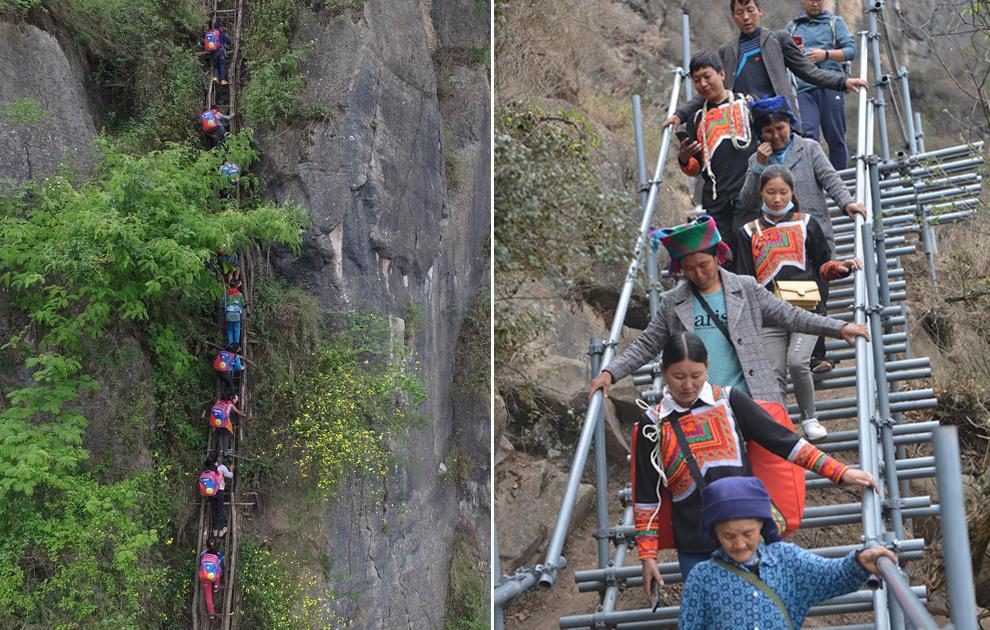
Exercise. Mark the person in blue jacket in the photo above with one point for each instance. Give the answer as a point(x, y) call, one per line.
point(826, 42)
point(753, 580)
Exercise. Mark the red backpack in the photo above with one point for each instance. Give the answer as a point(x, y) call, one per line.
point(784, 480)
point(209, 483)
point(209, 567)
point(211, 41)
point(209, 120)
point(220, 415)
point(223, 361)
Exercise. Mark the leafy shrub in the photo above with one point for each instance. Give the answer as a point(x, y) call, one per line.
point(129, 250)
point(555, 219)
point(274, 92)
point(355, 394)
point(468, 606)
point(277, 592)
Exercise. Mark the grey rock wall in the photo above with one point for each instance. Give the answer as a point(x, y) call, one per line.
point(389, 232)
point(33, 66)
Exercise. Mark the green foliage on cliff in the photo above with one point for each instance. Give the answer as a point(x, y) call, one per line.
point(278, 591)
point(468, 607)
point(129, 252)
point(274, 84)
point(344, 395)
point(555, 219)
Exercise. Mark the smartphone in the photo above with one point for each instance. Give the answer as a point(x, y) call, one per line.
point(681, 135)
point(798, 40)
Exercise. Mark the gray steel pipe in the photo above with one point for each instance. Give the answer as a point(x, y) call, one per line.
point(846, 519)
point(955, 537)
point(921, 158)
point(852, 445)
point(686, 54)
point(554, 560)
point(601, 466)
point(904, 594)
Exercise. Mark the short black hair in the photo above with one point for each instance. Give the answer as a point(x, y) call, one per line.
point(733, 3)
point(705, 59)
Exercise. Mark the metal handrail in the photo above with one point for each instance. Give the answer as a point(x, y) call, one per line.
point(546, 573)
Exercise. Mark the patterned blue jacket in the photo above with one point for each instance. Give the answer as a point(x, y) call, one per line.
point(716, 599)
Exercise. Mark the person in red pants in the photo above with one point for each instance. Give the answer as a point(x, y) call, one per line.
point(210, 570)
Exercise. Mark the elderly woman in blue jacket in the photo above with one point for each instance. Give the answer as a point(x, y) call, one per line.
point(753, 579)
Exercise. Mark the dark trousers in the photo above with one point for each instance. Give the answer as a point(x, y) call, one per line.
point(227, 379)
point(826, 109)
point(215, 137)
point(220, 64)
point(729, 217)
point(216, 506)
point(225, 439)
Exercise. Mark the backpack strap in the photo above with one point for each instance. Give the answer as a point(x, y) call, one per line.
point(675, 424)
point(760, 584)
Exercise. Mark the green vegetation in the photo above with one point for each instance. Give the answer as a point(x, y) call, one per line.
point(275, 83)
point(278, 592)
point(468, 606)
point(83, 541)
point(17, 7)
point(354, 393)
point(451, 161)
point(554, 219)
point(473, 363)
point(336, 7)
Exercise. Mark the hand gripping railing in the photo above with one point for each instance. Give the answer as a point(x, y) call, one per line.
point(546, 574)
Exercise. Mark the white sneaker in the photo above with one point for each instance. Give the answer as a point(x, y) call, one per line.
point(813, 430)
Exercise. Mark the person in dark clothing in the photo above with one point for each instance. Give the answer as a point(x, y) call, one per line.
point(786, 245)
point(220, 473)
point(212, 121)
point(718, 144)
point(222, 421)
point(219, 58)
point(228, 365)
point(758, 60)
point(719, 421)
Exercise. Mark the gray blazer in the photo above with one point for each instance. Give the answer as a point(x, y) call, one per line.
point(750, 307)
point(813, 176)
point(780, 54)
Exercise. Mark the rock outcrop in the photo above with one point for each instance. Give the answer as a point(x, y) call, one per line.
point(46, 117)
point(393, 233)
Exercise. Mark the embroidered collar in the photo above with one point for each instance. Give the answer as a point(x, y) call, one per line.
point(668, 405)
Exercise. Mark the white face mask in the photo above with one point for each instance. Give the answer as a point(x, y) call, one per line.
point(779, 213)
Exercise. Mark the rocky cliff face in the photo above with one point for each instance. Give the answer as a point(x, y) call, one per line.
point(392, 232)
point(45, 114)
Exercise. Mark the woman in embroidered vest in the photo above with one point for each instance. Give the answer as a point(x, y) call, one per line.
point(769, 584)
point(786, 245)
point(716, 423)
point(726, 310)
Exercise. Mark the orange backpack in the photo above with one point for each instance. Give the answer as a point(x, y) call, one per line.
point(784, 480)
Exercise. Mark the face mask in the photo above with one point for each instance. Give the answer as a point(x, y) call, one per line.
point(779, 213)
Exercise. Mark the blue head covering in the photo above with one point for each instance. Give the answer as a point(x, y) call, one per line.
point(764, 108)
point(731, 498)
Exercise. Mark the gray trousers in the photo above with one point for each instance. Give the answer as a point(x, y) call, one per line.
point(791, 353)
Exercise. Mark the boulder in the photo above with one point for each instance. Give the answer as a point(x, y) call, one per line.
point(46, 117)
point(527, 501)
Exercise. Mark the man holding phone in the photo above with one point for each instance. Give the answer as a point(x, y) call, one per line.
point(825, 40)
point(717, 144)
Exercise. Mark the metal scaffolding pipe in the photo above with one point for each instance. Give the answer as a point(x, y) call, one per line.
point(595, 350)
point(686, 53)
point(846, 519)
point(955, 537)
point(904, 594)
point(921, 159)
point(852, 445)
point(554, 561)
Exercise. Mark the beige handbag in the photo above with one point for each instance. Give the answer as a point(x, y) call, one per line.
point(801, 293)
